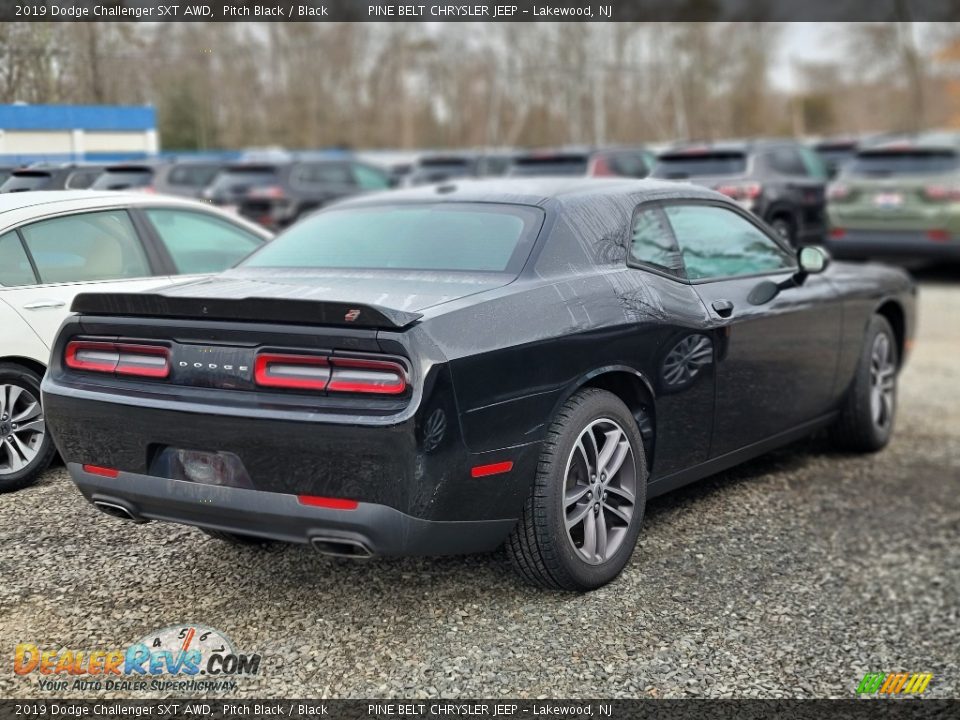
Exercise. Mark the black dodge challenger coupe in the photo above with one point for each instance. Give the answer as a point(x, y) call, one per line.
point(454, 368)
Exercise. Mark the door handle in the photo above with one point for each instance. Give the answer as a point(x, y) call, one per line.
point(723, 308)
point(44, 305)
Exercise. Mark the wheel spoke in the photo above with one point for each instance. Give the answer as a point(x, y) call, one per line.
point(13, 394)
point(594, 452)
point(590, 535)
point(610, 445)
point(32, 426)
point(618, 512)
point(586, 457)
point(601, 536)
point(622, 492)
point(14, 461)
point(26, 451)
point(616, 462)
point(29, 413)
point(575, 519)
point(574, 494)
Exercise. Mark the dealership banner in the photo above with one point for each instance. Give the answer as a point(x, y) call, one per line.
point(479, 10)
point(478, 709)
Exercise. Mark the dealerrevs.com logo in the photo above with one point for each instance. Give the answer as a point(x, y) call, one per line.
point(894, 683)
point(179, 658)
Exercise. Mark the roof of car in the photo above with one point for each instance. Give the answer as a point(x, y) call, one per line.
point(20, 207)
point(531, 191)
point(740, 146)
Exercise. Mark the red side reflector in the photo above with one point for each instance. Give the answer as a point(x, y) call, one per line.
point(327, 502)
point(837, 233)
point(98, 470)
point(938, 235)
point(494, 469)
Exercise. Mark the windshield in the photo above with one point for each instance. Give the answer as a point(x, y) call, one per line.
point(685, 165)
point(901, 162)
point(190, 175)
point(472, 237)
point(563, 165)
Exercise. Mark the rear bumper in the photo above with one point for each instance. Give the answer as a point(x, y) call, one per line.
point(865, 244)
point(370, 529)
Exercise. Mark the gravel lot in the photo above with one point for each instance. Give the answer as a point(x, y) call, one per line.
point(791, 576)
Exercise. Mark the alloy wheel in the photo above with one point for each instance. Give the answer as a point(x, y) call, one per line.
point(883, 381)
point(22, 429)
point(600, 489)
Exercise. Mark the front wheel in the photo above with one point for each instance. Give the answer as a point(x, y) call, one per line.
point(869, 409)
point(580, 522)
point(25, 445)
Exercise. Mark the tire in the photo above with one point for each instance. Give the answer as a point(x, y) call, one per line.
point(236, 538)
point(868, 413)
point(26, 448)
point(540, 547)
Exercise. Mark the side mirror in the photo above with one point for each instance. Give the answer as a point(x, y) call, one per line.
point(813, 259)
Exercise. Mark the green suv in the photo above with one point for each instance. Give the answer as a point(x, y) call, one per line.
point(898, 201)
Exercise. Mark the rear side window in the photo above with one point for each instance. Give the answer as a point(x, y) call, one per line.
point(370, 178)
point(15, 267)
point(565, 165)
point(200, 243)
point(901, 162)
point(85, 247)
point(653, 242)
point(121, 179)
point(478, 237)
point(22, 182)
point(677, 166)
point(719, 243)
point(625, 164)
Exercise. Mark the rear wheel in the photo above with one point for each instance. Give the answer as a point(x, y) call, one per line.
point(580, 523)
point(869, 410)
point(25, 445)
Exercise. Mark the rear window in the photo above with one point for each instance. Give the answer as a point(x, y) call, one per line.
point(901, 162)
point(23, 181)
point(190, 175)
point(242, 178)
point(123, 178)
point(559, 165)
point(685, 165)
point(472, 237)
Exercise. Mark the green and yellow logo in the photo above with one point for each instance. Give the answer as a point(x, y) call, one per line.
point(894, 683)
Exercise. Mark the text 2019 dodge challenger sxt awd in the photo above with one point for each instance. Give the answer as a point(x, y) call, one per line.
point(454, 368)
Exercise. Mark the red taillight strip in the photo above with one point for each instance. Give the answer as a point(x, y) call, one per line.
point(119, 358)
point(264, 361)
point(369, 385)
point(328, 502)
point(100, 470)
point(492, 469)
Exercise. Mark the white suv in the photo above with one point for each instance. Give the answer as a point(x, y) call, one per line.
point(54, 245)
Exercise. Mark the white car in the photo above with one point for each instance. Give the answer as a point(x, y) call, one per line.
point(54, 245)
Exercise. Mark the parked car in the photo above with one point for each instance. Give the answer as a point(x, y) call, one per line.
point(835, 152)
point(434, 168)
point(610, 162)
point(445, 370)
point(126, 176)
point(781, 181)
point(54, 245)
point(6, 171)
point(899, 201)
point(305, 186)
point(231, 185)
point(69, 176)
point(187, 178)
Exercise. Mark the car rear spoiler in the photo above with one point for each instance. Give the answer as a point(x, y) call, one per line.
point(250, 309)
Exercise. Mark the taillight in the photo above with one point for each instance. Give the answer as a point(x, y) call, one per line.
point(938, 235)
point(941, 193)
point(296, 372)
point(837, 191)
point(331, 373)
point(274, 192)
point(600, 167)
point(837, 233)
point(748, 191)
point(118, 358)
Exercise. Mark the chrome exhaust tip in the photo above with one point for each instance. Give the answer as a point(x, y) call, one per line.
point(117, 511)
point(341, 547)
